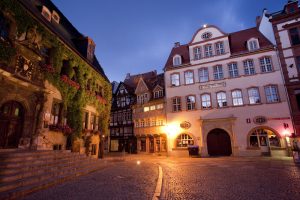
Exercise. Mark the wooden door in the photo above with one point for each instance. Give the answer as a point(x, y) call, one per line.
point(218, 143)
point(11, 124)
point(151, 145)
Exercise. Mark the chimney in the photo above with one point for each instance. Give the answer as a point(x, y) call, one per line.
point(127, 76)
point(177, 44)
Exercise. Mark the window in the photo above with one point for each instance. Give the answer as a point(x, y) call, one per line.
point(233, 70)
point(190, 102)
point(153, 122)
point(197, 53)
point(265, 64)
point(55, 112)
point(176, 104)
point(160, 122)
point(220, 48)
point(158, 94)
point(189, 77)
point(123, 101)
point(177, 60)
point(237, 98)
point(218, 72)
point(93, 122)
point(249, 67)
point(159, 106)
point(208, 50)
point(206, 35)
point(143, 144)
point(85, 120)
point(175, 80)
point(203, 75)
point(183, 140)
point(253, 44)
point(146, 109)
point(205, 101)
point(46, 13)
point(294, 33)
point(221, 99)
point(55, 17)
point(272, 93)
point(298, 63)
point(147, 123)
point(254, 96)
point(4, 28)
point(152, 107)
point(142, 123)
point(264, 137)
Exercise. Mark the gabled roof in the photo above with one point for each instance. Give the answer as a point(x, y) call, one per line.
point(64, 30)
point(238, 40)
point(132, 80)
point(183, 51)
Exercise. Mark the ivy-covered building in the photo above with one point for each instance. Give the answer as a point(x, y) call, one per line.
point(54, 93)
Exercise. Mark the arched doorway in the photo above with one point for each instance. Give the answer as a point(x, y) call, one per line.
point(218, 143)
point(11, 124)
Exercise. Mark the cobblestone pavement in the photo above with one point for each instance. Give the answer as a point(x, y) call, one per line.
point(230, 178)
point(119, 180)
point(185, 178)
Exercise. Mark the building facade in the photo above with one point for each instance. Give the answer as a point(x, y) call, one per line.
point(121, 123)
point(54, 94)
point(149, 114)
point(225, 94)
point(286, 28)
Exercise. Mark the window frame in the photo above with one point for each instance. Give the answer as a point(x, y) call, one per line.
point(218, 74)
point(219, 48)
point(171, 79)
point(264, 67)
point(233, 73)
point(250, 96)
point(237, 98)
point(253, 44)
point(176, 104)
point(277, 93)
point(187, 138)
point(222, 100)
point(190, 78)
point(200, 74)
point(208, 52)
point(175, 57)
point(197, 53)
point(192, 105)
point(251, 69)
point(210, 102)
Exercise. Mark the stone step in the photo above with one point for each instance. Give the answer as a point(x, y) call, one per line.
point(38, 169)
point(41, 160)
point(25, 190)
point(68, 168)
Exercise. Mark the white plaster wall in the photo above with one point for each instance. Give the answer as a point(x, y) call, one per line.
point(266, 28)
point(215, 33)
point(284, 38)
point(293, 73)
point(287, 53)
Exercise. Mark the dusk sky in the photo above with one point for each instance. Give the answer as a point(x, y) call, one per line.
point(136, 36)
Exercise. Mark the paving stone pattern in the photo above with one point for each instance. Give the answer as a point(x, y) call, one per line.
point(120, 180)
point(231, 178)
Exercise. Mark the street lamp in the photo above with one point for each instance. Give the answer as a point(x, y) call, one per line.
point(171, 130)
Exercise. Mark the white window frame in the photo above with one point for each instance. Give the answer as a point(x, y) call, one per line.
point(266, 64)
point(208, 50)
point(175, 79)
point(177, 61)
point(218, 72)
point(203, 75)
point(272, 94)
point(254, 96)
point(233, 70)
point(220, 48)
point(191, 102)
point(222, 99)
point(205, 101)
point(249, 68)
point(237, 97)
point(253, 44)
point(189, 77)
point(176, 104)
point(197, 53)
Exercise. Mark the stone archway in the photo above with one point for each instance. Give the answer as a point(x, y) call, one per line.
point(218, 143)
point(11, 124)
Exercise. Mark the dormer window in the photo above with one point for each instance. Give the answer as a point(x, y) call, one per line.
point(253, 44)
point(158, 94)
point(55, 17)
point(177, 60)
point(46, 13)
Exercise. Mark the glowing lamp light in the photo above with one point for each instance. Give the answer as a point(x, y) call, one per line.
point(172, 129)
point(204, 25)
point(138, 162)
point(286, 133)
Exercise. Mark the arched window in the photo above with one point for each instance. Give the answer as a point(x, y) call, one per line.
point(183, 140)
point(4, 28)
point(253, 44)
point(177, 60)
point(263, 137)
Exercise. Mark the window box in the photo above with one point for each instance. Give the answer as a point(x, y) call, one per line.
point(69, 82)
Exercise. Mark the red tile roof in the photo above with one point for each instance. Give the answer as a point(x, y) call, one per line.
point(182, 50)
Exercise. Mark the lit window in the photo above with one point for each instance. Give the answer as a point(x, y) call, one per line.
point(208, 50)
point(159, 106)
point(205, 101)
point(176, 104)
point(142, 123)
point(272, 93)
point(218, 72)
point(153, 122)
point(264, 137)
point(220, 48)
point(183, 140)
point(55, 113)
point(147, 122)
point(189, 77)
point(249, 67)
point(55, 17)
point(175, 80)
point(197, 53)
point(177, 60)
point(146, 109)
point(233, 70)
point(222, 100)
point(46, 13)
point(265, 64)
point(152, 107)
point(190, 102)
point(203, 75)
point(237, 97)
point(253, 94)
